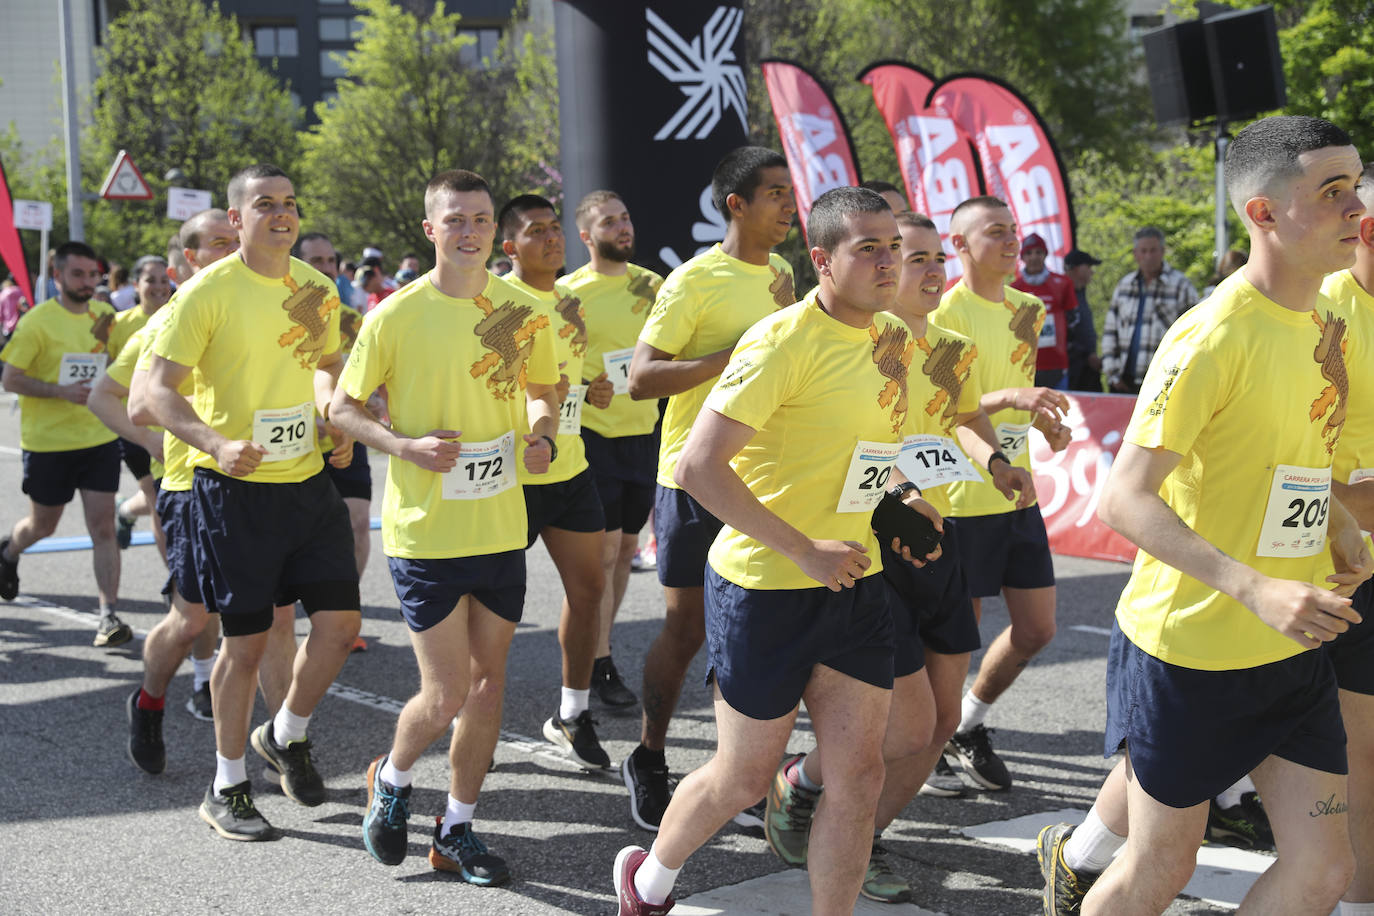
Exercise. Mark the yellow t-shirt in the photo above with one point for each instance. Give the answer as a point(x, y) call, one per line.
point(1356, 448)
point(48, 333)
point(458, 364)
point(256, 341)
point(122, 369)
point(176, 469)
point(1239, 387)
point(126, 324)
point(1006, 334)
point(703, 307)
point(616, 308)
point(817, 391)
point(567, 324)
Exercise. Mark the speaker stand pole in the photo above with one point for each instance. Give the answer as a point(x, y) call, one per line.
point(1223, 140)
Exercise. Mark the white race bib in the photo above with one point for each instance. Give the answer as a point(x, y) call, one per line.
point(570, 412)
point(1295, 517)
point(286, 432)
point(1047, 330)
point(867, 477)
point(1011, 439)
point(933, 461)
point(81, 367)
point(618, 368)
point(1360, 474)
point(484, 469)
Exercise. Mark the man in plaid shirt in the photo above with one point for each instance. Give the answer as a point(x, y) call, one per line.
point(1145, 303)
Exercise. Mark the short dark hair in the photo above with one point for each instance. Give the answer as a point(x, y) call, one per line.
point(409, 254)
point(825, 227)
point(982, 201)
point(142, 264)
point(191, 229)
point(738, 173)
point(237, 184)
point(456, 180)
point(72, 249)
point(510, 217)
point(590, 202)
point(1267, 151)
point(311, 237)
point(1149, 232)
point(916, 220)
point(882, 187)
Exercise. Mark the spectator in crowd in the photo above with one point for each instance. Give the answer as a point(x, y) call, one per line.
point(373, 257)
point(1055, 290)
point(409, 269)
point(121, 288)
point(1085, 366)
point(890, 193)
point(1145, 303)
point(368, 280)
point(12, 305)
point(1230, 262)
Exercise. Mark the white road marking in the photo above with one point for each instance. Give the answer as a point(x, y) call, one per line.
point(1084, 628)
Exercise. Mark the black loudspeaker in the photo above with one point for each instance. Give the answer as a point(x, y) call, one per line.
point(1247, 69)
point(1180, 80)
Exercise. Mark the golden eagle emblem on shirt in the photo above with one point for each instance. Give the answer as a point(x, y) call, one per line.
point(508, 332)
point(101, 325)
point(1330, 355)
point(569, 308)
point(892, 354)
point(308, 307)
point(644, 287)
point(1026, 320)
point(781, 288)
point(948, 365)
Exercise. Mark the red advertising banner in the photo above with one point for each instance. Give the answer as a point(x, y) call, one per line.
point(11, 250)
point(1019, 162)
point(933, 152)
point(815, 139)
point(1069, 483)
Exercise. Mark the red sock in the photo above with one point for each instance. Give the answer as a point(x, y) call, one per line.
point(150, 702)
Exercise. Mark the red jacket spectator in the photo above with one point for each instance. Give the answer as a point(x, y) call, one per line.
point(1057, 292)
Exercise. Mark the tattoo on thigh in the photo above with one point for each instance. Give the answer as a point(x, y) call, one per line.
point(1327, 806)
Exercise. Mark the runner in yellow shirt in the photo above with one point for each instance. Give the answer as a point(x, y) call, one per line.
point(55, 355)
point(701, 310)
point(619, 433)
point(261, 329)
point(562, 505)
point(468, 362)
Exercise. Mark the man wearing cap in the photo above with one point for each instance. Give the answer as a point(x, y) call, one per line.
point(1085, 366)
point(1055, 290)
point(1144, 304)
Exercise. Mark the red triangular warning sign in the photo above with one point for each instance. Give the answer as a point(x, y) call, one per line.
point(125, 181)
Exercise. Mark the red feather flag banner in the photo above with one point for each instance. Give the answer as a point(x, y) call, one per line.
point(11, 250)
point(1018, 159)
point(934, 153)
point(815, 139)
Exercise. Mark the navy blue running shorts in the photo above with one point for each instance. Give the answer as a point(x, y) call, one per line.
point(429, 590)
point(174, 510)
point(684, 532)
point(762, 644)
point(1352, 653)
point(52, 478)
point(572, 505)
point(1008, 550)
point(931, 608)
point(1192, 733)
point(261, 545)
point(136, 459)
point(354, 481)
point(623, 469)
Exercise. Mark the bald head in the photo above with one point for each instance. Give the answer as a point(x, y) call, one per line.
point(968, 212)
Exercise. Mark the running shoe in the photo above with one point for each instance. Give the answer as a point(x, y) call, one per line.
point(1064, 890)
point(787, 821)
point(750, 820)
point(646, 557)
point(300, 781)
point(881, 883)
point(388, 811)
point(609, 688)
point(463, 852)
point(146, 749)
point(199, 704)
point(627, 862)
point(577, 738)
point(943, 782)
point(359, 645)
point(234, 816)
point(974, 752)
point(110, 631)
point(649, 793)
point(1244, 825)
point(9, 573)
point(124, 527)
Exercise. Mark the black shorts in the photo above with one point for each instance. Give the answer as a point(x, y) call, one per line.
point(1007, 550)
point(262, 545)
point(1192, 733)
point(136, 458)
point(623, 469)
point(762, 644)
point(1352, 653)
point(354, 481)
point(52, 478)
point(931, 608)
point(572, 505)
point(684, 531)
point(429, 590)
point(174, 510)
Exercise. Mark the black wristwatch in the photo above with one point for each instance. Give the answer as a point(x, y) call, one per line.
point(553, 448)
point(903, 488)
point(994, 456)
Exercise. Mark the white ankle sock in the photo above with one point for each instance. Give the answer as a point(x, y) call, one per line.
point(456, 813)
point(972, 712)
point(229, 772)
point(200, 670)
point(1231, 797)
point(288, 726)
point(654, 880)
point(1356, 909)
point(1091, 845)
point(803, 780)
point(572, 703)
point(392, 776)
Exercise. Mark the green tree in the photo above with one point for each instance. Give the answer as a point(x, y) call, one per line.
point(178, 88)
point(412, 104)
point(36, 176)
